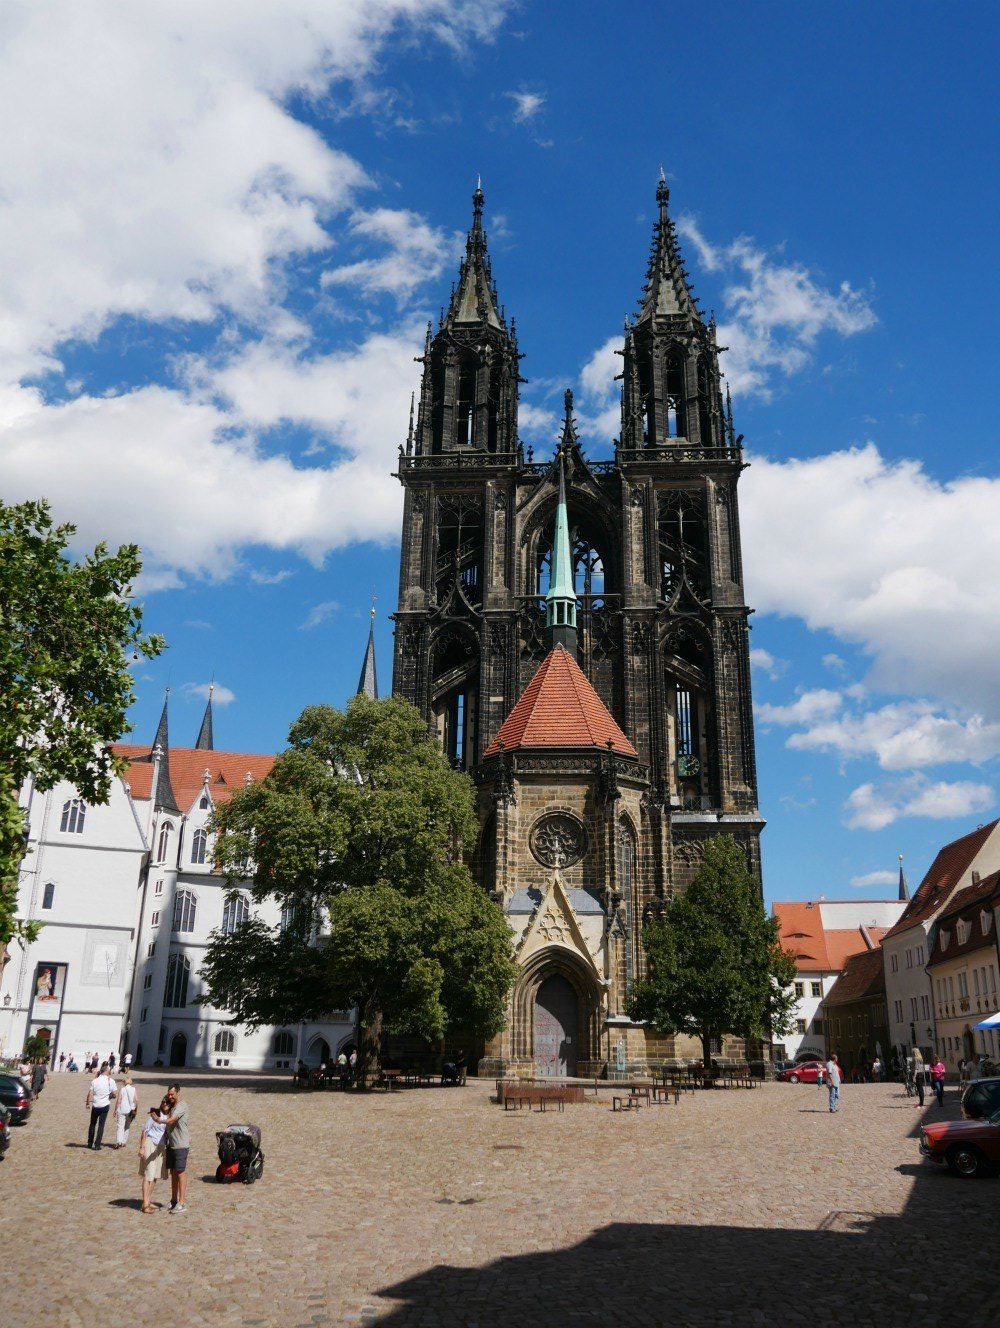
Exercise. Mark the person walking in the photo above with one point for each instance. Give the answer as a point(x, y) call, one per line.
point(833, 1080)
point(38, 1077)
point(99, 1095)
point(126, 1106)
point(112, 1062)
point(153, 1152)
point(178, 1146)
point(938, 1072)
point(919, 1075)
point(62, 1061)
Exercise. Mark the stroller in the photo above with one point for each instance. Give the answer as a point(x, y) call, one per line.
point(240, 1155)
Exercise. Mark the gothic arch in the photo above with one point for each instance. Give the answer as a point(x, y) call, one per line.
point(556, 959)
point(454, 691)
point(588, 525)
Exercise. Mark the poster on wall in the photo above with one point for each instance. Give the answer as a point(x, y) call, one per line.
point(50, 983)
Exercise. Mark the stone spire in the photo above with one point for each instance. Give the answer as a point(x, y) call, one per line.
point(205, 741)
point(904, 893)
point(560, 602)
point(474, 299)
point(668, 292)
point(368, 682)
point(159, 753)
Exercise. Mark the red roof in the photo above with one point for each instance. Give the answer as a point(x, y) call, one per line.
point(947, 869)
point(863, 978)
point(559, 708)
point(815, 948)
point(227, 772)
point(968, 904)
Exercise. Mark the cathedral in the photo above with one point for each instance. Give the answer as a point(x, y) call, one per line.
point(575, 632)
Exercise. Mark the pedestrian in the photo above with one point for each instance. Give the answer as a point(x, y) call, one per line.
point(833, 1078)
point(353, 1059)
point(819, 1074)
point(153, 1152)
point(126, 1106)
point(38, 1076)
point(24, 1069)
point(111, 1062)
point(937, 1079)
point(62, 1061)
point(975, 1069)
point(127, 1062)
point(876, 1070)
point(99, 1095)
point(178, 1146)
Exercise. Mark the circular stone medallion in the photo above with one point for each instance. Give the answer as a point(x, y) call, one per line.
point(558, 840)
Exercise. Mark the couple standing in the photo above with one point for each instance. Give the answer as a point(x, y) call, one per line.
point(164, 1146)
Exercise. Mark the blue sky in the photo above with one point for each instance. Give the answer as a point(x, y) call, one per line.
point(224, 228)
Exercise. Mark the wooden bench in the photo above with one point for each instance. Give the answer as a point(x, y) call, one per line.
point(662, 1093)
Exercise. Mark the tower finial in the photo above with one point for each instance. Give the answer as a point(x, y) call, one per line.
point(368, 681)
point(478, 199)
point(662, 191)
point(560, 602)
point(206, 738)
point(903, 891)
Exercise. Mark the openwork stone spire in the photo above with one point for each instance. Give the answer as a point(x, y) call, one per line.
point(668, 292)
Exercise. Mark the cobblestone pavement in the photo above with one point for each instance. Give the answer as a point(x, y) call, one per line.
point(434, 1207)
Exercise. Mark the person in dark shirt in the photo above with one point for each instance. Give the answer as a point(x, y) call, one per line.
point(38, 1076)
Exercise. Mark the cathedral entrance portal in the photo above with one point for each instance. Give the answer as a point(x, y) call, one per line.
point(556, 1040)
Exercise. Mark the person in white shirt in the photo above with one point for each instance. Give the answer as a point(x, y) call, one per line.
point(153, 1153)
point(833, 1082)
point(126, 1105)
point(99, 1095)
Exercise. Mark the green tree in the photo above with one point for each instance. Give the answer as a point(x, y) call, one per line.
point(360, 831)
point(715, 962)
point(68, 631)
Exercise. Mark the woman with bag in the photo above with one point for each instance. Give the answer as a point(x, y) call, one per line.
point(126, 1105)
point(153, 1153)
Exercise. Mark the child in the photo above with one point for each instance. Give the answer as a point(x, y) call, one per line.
point(153, 1153)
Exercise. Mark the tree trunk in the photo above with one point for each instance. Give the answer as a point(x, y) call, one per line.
point(369, 1041)
point(706, 1050)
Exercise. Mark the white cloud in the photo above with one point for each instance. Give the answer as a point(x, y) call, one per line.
point(417, 253)
point(766, 663)
point(776, 310)
point(887, 559)
point(598, 411)
point(874, 878)
point(834, 663)
point(319, 613)
point(903, 736)
point(806, 709)
point(221, 696)
point(537, 422)
point(873, 807)
point(526, 105)
point(261, 578)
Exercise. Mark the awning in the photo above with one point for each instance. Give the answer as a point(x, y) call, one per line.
point(992, 1022)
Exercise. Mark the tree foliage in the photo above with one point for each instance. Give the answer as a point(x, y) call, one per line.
point(715, 964)
point(361, 828)
point(68, 631)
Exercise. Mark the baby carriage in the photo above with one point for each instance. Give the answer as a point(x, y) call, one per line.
point(240, 1156)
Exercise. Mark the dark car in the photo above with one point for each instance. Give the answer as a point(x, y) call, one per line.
point(15, 1097)
point(969, 1147)
point(4, 1129)
point(981, 1099)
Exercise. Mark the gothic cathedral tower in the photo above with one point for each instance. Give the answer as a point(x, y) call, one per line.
point(660, 622)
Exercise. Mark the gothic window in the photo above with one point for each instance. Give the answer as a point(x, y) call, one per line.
point(178, 980)
point(234, 913)
point(588, 562)
point(626, 885)
point(284, 1044)
point(676, 419)
point(163, 844)
point(684, 716)
point(460, 548)
point(48, 895)
point(683, 531)
point(74, 813)
point(199, 847)
point(185, 911)
point(225, 1041)
point(704, 404)
point(465, 407)
point(488, 855)
point(455, 674)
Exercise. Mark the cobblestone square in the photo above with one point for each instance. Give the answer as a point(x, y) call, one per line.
point(435, 1207)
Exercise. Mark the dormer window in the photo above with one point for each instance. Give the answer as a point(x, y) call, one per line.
point(945, 938)
point(986, 921)
point(962, 931)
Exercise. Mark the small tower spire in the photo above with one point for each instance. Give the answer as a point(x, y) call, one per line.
point(560, 602)
point(206, 741)
point(368, 682)
point(163, 793)
point(903, 891)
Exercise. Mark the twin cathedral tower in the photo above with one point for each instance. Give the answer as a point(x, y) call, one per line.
point(575, 631)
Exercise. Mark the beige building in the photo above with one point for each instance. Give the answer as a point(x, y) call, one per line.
point(963, 968)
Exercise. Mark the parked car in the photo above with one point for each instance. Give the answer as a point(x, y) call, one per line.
point(4, 1129)
point(807, 1072)
point(968, 1147)
point(981, 1099)
point(15, 1097)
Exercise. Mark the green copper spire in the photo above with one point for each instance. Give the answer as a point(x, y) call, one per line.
point(560, 602)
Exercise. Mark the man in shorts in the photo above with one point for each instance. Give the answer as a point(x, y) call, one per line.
point(178, 1144)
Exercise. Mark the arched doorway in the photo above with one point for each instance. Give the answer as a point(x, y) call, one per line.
point(556, 1026)
point(178, 1049)
point(318, 1052)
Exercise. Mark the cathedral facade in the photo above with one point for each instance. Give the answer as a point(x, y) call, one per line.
point(575, 632)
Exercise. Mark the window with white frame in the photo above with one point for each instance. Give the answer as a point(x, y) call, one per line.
point(147, 982)
point(284, 1043)
point(894, 963)
point(225, 1040)
point(800, 988)
point(962, 931)
point(235, 912)
point(817, 989)
point(158, 887)
point(909, 959)
point(925, 1005)
point(163, 843)
point(963, 985)
point(74, 813)
point(178, 980)
point(913, 1007)
point(185, 910)
point(154, 918)
point(920, 955)
point(199, 847)
point(150, 949)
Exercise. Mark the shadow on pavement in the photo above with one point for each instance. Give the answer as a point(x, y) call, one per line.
point(864, 1268)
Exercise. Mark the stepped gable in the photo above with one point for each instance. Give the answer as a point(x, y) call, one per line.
point(944, 873)
point(227, 771)
point(560, 708)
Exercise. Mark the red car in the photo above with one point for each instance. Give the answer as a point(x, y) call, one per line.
point(805, 1073)
point(968, 1147)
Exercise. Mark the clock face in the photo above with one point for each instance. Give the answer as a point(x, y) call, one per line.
point(687, 766)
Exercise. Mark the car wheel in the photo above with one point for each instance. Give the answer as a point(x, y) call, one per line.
point(966, 1161)
point(793, 1079)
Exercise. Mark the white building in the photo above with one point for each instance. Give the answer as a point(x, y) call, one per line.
point(906, 949)
point(822, 935)
point(129, 898)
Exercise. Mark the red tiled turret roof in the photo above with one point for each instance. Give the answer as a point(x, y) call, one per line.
point(559, 708)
